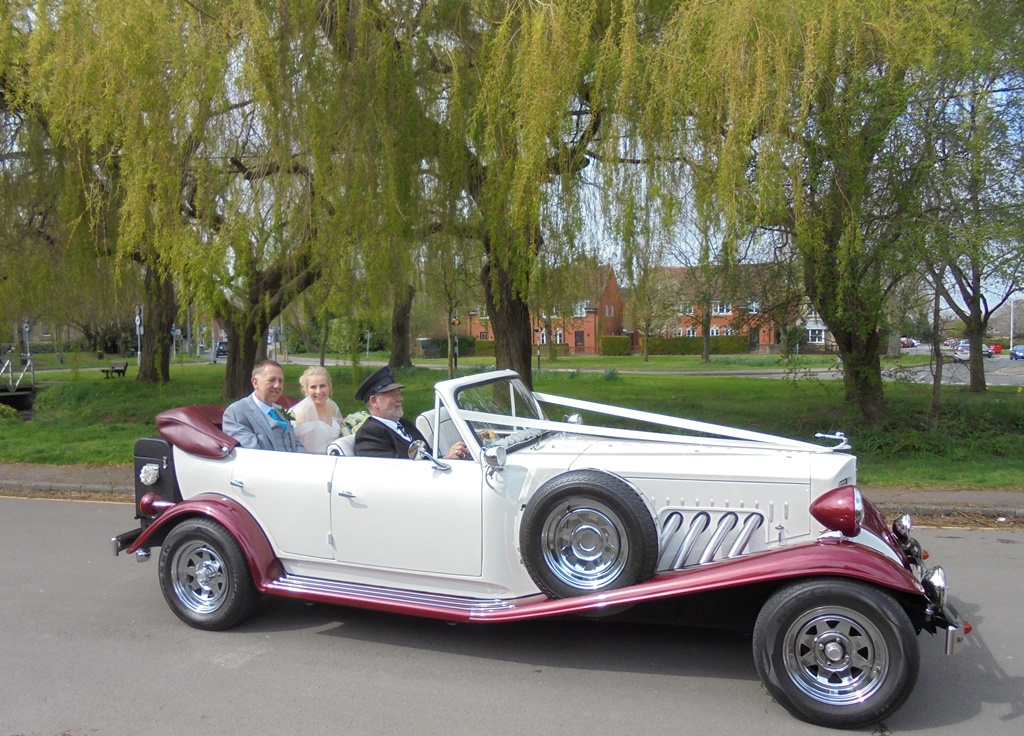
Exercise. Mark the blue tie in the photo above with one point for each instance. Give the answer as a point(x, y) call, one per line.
point(280, 422)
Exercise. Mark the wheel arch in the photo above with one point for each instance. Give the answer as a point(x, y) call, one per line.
point(239, 523)
point(615, 476)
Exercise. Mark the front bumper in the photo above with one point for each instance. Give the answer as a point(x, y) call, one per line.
point(939, 613)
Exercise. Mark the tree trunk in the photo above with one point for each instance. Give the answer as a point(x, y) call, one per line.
point(161, 307)
point(510, 320)
point(450, 332)
point(862, 374)
point(549, 327)
point(977, 363)
point(401, 311)
point(245, 336)
point(933, 413)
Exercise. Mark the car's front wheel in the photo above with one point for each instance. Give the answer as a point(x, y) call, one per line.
point(837, 653)
point(585, 532)
point(205, 577)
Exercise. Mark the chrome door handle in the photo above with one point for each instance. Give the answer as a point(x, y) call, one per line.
point(346, 494)
point(238, 483)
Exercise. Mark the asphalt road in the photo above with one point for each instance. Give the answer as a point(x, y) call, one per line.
point(88, 646)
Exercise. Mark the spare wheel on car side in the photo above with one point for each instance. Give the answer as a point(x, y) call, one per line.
point(587, 531)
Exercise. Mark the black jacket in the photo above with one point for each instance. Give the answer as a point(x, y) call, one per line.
point(376, 439)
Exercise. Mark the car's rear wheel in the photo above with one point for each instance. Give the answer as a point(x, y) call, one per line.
point(837, 653)
point(205, 577)
point(585, 532)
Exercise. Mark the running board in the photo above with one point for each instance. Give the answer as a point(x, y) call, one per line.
point(375, 597)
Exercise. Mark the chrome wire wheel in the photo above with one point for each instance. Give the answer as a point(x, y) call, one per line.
point(835, 655)
point(198, 578)
point(584, 544)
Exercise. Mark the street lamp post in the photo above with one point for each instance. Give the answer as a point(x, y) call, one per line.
point(1012, 303)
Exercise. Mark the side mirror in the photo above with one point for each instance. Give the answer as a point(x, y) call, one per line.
point(418, 451)
point(573, 419)
point(494, 457)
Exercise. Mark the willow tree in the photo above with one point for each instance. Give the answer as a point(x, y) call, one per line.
point(804, 106)
point(506, 99)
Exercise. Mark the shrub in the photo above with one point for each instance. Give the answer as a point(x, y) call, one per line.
point(485, 348)
point(718, 345)
point(616, 345)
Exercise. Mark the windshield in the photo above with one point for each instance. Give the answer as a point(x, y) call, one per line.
point(506, 401)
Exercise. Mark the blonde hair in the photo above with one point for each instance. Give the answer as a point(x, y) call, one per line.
point(314, 370)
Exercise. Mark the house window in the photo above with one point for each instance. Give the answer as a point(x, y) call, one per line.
point(579, 309)
point(715, 332)
point(691, 332)
point(543, 337)
point(721, 308)
point(686, 308)
point(677, 332)
point(754, 307)
point(558, 336)
point(815, 337)
point(483, 335)
point(609, 310)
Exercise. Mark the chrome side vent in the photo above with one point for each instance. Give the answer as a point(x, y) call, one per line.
point(702, 537)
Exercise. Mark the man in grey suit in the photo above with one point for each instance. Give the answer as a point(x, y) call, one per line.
point(256, 421)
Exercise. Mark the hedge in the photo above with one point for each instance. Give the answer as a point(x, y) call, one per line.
point(718, 345)
point(485, 348)
point(616, 345)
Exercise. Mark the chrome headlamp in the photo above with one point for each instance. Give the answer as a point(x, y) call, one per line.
point(935, 587)
point(902, 527)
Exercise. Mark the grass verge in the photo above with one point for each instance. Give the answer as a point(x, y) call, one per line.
point(979, 443)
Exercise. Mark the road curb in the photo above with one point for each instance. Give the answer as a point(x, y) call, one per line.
point(943, 510)
point(887, 509)
point(63, 487)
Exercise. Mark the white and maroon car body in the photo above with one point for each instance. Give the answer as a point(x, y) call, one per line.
point(551, 518)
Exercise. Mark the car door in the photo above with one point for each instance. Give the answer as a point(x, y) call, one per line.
point(407, 515)
point(289, 494)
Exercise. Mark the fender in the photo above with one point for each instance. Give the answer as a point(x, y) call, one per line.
point(823, 558)
point(263, 563)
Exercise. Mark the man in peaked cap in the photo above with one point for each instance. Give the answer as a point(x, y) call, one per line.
point(386, 433)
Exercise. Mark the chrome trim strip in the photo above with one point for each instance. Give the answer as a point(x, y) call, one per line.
point(697, 526)
point(299, 584)
point(726, 524)
point(751, 524)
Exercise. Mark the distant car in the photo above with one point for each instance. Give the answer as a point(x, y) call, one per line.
point(909, 342)
point(1017, 352)
point(222, 349)
point(962, 351)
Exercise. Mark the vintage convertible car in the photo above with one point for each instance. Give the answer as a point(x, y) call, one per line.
point(653, 517)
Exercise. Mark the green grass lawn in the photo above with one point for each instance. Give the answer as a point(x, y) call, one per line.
point(80, 417)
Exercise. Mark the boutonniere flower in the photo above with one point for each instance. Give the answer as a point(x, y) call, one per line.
point(286, 414)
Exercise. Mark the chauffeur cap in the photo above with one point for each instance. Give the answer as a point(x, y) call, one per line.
point(380, 381)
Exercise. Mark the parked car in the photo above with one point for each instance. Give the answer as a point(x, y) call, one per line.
point(1017, 352)
point(962, 351)
point(222, 349)
point(909, 342)
point(700, 523)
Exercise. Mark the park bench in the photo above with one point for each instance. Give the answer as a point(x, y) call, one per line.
point(115, 369)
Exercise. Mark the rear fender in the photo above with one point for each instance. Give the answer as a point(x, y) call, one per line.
point(263, 563)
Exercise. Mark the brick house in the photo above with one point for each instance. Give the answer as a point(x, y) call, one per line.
point(579, 331)
point(752, 301)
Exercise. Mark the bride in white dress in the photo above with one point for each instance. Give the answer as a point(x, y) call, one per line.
point(318, 421)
